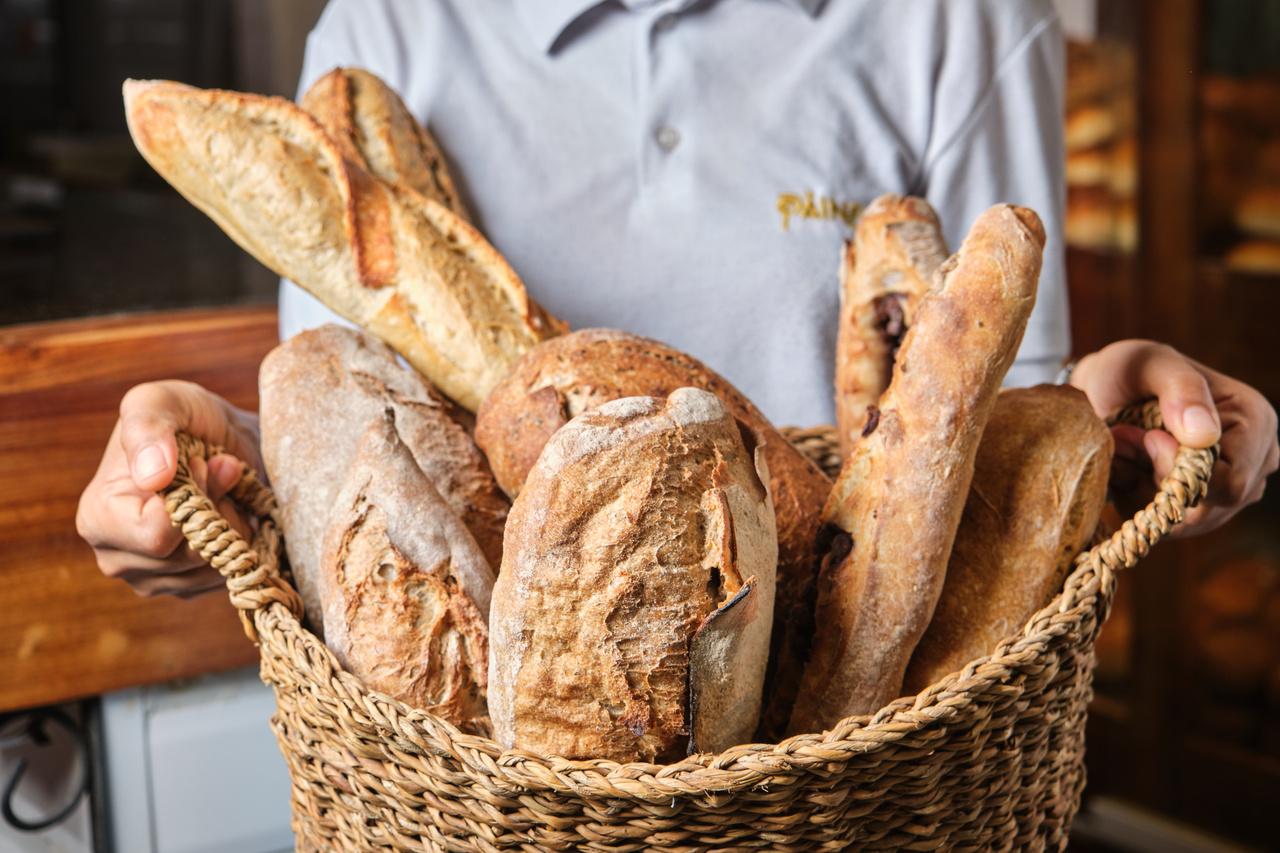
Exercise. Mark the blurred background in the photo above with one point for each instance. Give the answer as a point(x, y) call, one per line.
point(1173, 221)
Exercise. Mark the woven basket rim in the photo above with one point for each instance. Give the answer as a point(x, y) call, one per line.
point(270, 609)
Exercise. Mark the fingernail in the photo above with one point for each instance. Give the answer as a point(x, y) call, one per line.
point(1199, 420)
point(149, 462)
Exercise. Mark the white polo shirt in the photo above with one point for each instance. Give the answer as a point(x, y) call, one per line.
point(688, 170)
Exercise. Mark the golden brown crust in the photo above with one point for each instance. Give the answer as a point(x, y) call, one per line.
point(890, 263)
point(900, 493)
point(405, 587)
point(565, 376)
point(640, 520)
point(1039, 485)
point(383, 256)
point(375, 130)
point(319, 391)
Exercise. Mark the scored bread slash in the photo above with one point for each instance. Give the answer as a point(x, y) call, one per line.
point(382, 255)
point(375, 130)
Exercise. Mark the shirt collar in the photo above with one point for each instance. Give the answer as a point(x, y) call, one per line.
point(547, 20)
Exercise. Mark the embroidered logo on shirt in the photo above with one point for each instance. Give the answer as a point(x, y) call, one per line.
point(809, 206)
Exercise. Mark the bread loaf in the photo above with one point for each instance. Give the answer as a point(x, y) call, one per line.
point(1039, 485)
point(890, 263)
point(318, 392)
point(382, 255)
point(375, 130)
point(898, 499)
point(1258, 212)
point(638, 572)
point(564, 377)
point(404, 586)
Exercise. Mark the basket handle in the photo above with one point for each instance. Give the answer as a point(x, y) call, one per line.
point(1183, 488)
point(252, 571)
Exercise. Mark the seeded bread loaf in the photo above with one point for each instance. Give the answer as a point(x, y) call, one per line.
point(318, 392)
point(635, 598)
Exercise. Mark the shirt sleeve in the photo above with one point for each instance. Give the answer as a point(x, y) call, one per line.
point(1009, 148)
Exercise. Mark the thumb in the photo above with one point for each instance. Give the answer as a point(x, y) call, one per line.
point(1129, 371)
point(150, 415)
point(1186, 403)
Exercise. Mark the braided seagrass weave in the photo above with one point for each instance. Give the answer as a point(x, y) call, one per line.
point(991, 757)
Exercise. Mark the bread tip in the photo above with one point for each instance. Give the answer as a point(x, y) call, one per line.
point(1031, 221)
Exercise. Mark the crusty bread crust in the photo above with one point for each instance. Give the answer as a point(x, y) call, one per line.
point(641, 519)
point(318, 392)
point(894, 255)
point(375, 130)
point(1039, 486)
point(405, 588)
point(900, 493)
point(565, 376)
point(382, 255)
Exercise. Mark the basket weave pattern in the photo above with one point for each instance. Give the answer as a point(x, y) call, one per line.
point(991, 757)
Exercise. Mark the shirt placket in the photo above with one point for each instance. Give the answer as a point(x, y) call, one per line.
point(658, 133)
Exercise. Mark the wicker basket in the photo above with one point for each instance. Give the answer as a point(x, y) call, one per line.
point(991, 757)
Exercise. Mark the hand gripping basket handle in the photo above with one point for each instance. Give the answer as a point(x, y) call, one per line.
point(252, 571)
point(253, 575)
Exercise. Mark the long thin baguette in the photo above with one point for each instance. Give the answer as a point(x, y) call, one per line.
point(899, 496)
point(1039, 486)
point(375, 130)
point(886, 268)
point(382, 255)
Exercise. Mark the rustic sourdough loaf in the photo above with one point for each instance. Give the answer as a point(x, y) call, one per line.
point(380, 254)
point(635, 597)
point(1039, 486)
point(404, 586)
point(566, 376)
point(318, 392)
point(898, 499)
point(886, 268)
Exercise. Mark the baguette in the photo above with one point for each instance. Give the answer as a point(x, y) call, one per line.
point(635, 598)
point(375, 130)
point(405, 588)
point(887, 267)
point(318, 392)
point(382, 255)
point(898, 499)
point(564, 377)
point(1039, 486)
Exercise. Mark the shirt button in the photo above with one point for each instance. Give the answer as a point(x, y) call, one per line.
point(668, 138)
point(664, 22)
